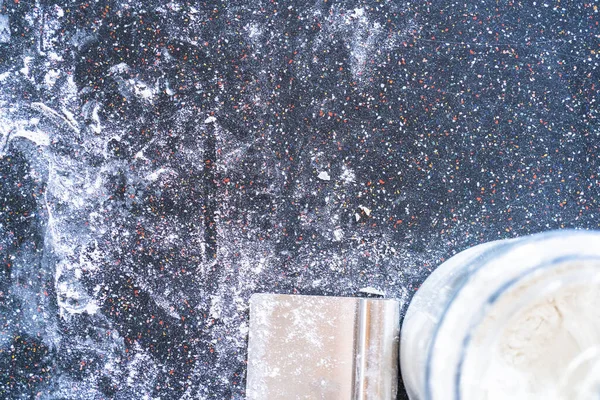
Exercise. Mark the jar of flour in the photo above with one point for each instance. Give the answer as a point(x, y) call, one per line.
point(513, 319)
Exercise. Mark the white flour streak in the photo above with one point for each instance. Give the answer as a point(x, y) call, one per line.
point(4, 29)
point(38, 137)
point(156, 174)
point(67, 118)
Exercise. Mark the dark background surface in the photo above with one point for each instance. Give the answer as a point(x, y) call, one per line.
point(133, 230)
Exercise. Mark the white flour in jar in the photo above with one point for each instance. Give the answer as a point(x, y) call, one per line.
point(549, 350)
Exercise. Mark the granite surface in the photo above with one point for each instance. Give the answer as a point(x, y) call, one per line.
point(162, 161)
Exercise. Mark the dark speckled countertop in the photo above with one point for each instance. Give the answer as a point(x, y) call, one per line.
point(162, 161)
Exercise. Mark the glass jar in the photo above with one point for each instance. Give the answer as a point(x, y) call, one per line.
point(516, 319)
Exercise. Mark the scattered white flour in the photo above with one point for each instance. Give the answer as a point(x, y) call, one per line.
point(348, 176)
point(26, 62)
